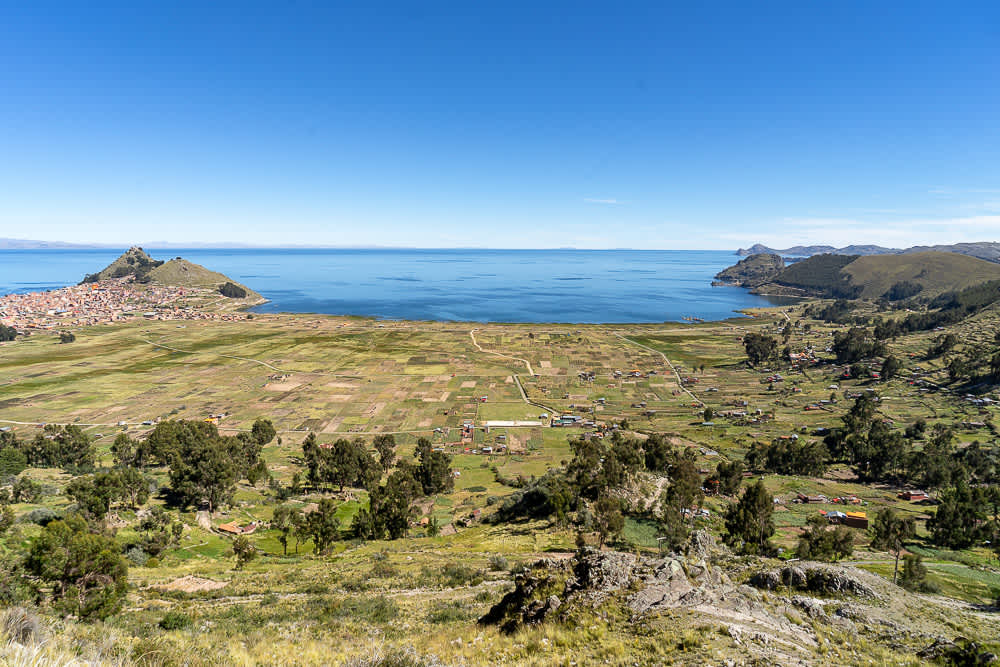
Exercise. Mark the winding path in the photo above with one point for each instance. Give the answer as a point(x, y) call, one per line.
point(517, 380)
point(677, 375)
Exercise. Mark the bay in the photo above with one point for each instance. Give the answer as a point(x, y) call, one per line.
point(585, 286)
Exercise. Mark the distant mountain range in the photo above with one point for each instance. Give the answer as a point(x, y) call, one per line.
point(988, 250)
point(25, 244)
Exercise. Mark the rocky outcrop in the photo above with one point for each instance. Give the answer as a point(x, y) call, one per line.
point(815, 578)
point(642, 584)
point(753, 271)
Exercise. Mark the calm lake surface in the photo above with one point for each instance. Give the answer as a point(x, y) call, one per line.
point(468, 285)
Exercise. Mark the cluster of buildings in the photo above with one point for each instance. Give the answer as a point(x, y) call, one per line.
point(114, 300)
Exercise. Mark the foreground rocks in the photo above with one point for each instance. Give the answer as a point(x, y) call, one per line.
point(781, 615)
point(815, 578)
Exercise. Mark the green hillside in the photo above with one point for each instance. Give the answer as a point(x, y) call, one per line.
point(935, 272)
point(179, 272)
point(821, 275)
point(132, 262)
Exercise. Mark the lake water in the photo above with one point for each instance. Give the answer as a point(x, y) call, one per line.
point(469, 285)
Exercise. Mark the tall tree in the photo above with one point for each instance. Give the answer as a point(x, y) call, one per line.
point(385, 445)
point(86, 571)
point(760, 348)
point(283, 520)
point(609, 517)
point(749, 525)
point(889, 532)
point(202, 468)
point(322, 525)
point(433, 470)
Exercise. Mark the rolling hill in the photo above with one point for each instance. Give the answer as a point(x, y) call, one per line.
point(177, 272)
point(934, 271)
point(988, 250)
point(927, 273)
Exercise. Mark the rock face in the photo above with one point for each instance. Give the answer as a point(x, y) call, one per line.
point(693, 590)
point(592, 577)
point(753, 271)
point(814, 578)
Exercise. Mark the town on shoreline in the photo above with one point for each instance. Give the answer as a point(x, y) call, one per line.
point(113, 300)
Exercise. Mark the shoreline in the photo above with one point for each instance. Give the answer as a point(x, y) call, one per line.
point(120, 300)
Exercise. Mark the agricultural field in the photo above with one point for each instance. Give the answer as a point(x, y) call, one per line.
point(418, 598)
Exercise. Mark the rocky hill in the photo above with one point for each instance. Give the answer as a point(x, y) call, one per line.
point(769, 613)
point(132, 262)
point(988, 250)
point(177, 272)
point(753, 271)
point(898, 276)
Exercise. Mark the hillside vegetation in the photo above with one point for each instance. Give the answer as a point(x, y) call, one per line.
point(821, 275)
point(132, 262)
point(936, 272)
point(177, 272)
point(894, 277)
point(752, 271)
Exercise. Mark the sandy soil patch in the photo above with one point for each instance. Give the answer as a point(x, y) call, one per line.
point(192, 584)
point(339, 398)
point(545, 364)
point(424, 423)
point(282, 386)
point(342, 385)
point(468, 384)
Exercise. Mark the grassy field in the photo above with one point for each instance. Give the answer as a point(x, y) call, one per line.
point(353, 377)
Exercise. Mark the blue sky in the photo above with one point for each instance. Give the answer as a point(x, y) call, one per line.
point(646, 125)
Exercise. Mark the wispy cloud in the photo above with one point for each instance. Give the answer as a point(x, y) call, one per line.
point(591, 200)
point(955, 192)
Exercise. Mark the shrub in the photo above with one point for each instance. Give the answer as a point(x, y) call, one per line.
point(175, 620)
point(454, 575)
point(41, 516)
point(137, 556)
point(153, 562)
point(379, 609)
point(498, 563)
point(384, 570)
point(21, 625)
point(448, 612)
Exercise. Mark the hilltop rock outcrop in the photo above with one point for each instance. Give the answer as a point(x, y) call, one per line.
point(753, 271)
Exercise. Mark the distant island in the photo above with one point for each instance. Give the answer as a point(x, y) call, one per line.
point(988, 250)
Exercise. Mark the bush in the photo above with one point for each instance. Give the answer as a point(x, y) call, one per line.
point(175, 620)
point(448, 612)
point(137, 556)
point(454, 575)
point(21, 625)
point(379, 609)
point(41, 516)
point(384, 570)
point(153, 562)
point(498, 563)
